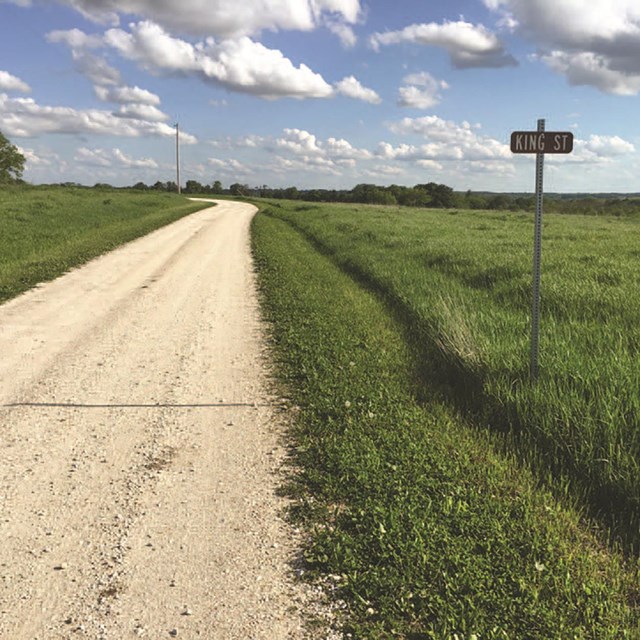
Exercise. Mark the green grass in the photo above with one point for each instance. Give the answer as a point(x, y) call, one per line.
point(384, 325)
point(47, 231)
point(460, 283)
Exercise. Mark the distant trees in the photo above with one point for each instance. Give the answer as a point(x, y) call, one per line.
point(11, 161)
point(191, 187)
point(237, 189)
point(427, 195)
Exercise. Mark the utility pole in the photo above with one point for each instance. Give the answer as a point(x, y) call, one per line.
point(178, 157)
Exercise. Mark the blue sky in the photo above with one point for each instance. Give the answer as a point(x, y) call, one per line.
point(321, 93)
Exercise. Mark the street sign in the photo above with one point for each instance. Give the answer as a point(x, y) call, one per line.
point(541, 142)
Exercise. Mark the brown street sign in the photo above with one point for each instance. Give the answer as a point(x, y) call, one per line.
point(542, 142)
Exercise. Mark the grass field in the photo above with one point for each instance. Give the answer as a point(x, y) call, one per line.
point(448, 494)
point(47, 231)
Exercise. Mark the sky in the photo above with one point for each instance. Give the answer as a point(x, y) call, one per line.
point(322, 93)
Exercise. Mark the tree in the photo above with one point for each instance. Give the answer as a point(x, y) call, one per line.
point(11, 161)
point(237, 189)
point(217, 187)
point(193, 186)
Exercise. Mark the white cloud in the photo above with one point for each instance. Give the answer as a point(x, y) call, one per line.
point(430, 164)
point(93, 157)
point(93, 66)
point(401, 152)
point(302, 143)
point(240, 65)
point(145, 112)
point(306, 164)
point(229, 166)
point(236, 64)
point(341, 148)
point(223, 18)
point(299, 142)
point(445, 140)
point(383, 171)
point(609, 145)
point(352, 88)
point(347, 37)
point(112, 157)
point(34, 158)
point(493, 168)
point(573, 24)
point(586, 68)
point(127, 95)
point(11, 83)
point(138, 163)
point(23, 117)
point(593, 43)
point(75, 39)
point(422, 91)
point(468, 45)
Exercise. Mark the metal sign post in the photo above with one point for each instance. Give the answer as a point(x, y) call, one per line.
point(539, 142)
point(537, 257)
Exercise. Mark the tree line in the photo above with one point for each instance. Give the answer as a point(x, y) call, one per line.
point(431, 195)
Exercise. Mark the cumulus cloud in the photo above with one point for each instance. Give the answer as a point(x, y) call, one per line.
point(468, 45)
point(352, 88)
point(23, 117)
point(127, 95)
point(229, 166)
point(384, 170)
point(138, 163)
point(422, 91)
point(145, 112)
point(222, 18)
point(12, 83)
point(303, 143)
point(37, 158)
point(89, 64)
point(444, 140)
point(93, 157)
point(595, 43)
point(609, 145)
point(75, 39)
point(240, 65)
point(112, 157)
point(315, 165)
point(430, 164)
point(587, 68)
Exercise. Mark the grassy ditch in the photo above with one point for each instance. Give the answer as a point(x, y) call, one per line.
point(427, 530)
point(460, 284)
point(47, 231)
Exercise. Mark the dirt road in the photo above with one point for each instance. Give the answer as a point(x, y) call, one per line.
point(139, 448)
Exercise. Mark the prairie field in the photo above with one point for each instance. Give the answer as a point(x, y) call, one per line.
point(452, 495)
point(45, 231)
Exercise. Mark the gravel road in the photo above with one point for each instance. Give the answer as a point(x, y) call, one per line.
point(139, 448)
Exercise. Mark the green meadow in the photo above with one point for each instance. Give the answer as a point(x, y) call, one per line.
point(448, 495)
point(45, 231)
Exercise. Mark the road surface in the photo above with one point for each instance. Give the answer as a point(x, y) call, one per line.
point(139, 448)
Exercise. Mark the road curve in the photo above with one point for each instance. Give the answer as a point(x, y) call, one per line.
point(139, 447)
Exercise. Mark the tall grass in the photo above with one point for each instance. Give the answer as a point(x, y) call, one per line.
point(422, 527)
point(45, 231)
point(461, 283)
